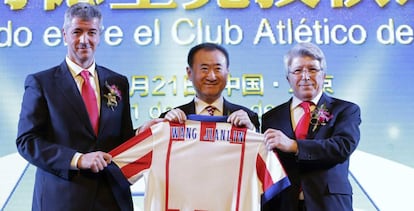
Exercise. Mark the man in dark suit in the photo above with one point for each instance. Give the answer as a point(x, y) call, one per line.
point(208, 68)
point(56, 133)
point(316, 161)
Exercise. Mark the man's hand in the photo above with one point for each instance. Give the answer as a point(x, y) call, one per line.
point(277, 139)
point(176, 115)
point(240, 118)
point(94, 161)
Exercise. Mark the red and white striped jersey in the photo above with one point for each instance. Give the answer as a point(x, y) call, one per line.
point(201, 166)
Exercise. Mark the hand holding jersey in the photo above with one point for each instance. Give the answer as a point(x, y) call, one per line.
point(187, 163)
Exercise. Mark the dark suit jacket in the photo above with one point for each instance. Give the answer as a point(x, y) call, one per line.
point(321, 167)
point(54, 124)
point(228, 108)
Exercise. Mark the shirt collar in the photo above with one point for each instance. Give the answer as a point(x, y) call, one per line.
point(296, 101)
point(77, 69)
point(200, 105)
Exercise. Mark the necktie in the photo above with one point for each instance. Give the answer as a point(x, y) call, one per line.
point(210, 109)
point(303, 125)
point(89, 98)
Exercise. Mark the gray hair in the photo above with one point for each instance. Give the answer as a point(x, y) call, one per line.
point(302, 50)
point(83, 11)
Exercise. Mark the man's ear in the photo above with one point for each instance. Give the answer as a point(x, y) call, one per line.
point(189, 73)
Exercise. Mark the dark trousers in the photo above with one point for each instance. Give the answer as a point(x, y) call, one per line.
point(301, 205)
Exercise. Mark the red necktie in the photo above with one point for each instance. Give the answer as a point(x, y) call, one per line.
point(303, 125)
point(89, 97)
point(210, 109)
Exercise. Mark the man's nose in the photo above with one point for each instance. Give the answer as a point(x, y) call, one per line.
point(305, 75)
point(211, 74)
point(83, 38)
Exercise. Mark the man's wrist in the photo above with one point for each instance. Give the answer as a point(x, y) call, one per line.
point(295, 147)
point(75, 160)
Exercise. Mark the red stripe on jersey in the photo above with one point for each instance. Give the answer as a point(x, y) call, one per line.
point(177, 131)
point(239, 185)
point(263, 173)
point(208, 131)
point(137, 166)
point(238, 135)
point(131, 143)
point(167, 172)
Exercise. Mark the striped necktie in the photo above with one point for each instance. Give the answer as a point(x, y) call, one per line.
point(210, 109)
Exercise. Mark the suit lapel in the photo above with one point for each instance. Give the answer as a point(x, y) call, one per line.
point(105, 110)
point(188, 108)
point(327, 102)
point(228, 108)
point(287, 126)
point(107, 115)
point(69, 91)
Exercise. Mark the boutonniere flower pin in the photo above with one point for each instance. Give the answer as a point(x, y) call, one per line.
point(113, 96)
point(320, 116)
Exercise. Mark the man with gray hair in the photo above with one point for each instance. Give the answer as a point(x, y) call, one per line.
point(71, 116)
point(314, 135)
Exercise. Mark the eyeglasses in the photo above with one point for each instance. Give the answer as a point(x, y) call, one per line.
point(310, 71)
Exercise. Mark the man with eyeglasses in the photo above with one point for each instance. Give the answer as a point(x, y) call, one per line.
point(314, 135)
